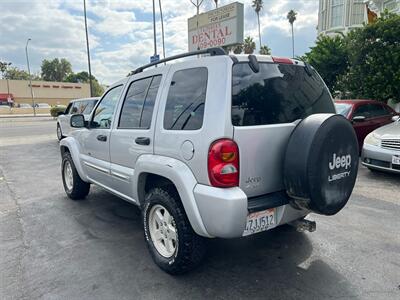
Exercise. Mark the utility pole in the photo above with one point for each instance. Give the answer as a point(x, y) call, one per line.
point(154, 28)
point(30, 78)
point(87, 48)
point(162, 28)
point(197, 4)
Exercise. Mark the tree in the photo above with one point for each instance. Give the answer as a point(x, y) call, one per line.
point(329, 58)
point(374, 59)
point(258, 5)
point(265, 50)
point(249, 45)
point(291, 16)
point(83, 77)
point(3, 67)
point(56, 70)
point(14, 73)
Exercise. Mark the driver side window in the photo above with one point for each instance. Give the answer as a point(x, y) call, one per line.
point(104, 113)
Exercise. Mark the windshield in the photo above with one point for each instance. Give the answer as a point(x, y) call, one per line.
point(278, 93)
point(343, 109)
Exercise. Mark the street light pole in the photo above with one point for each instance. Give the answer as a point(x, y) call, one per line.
point(197, 4)
point(30, 78)
point(87, 48)
point(154, 28)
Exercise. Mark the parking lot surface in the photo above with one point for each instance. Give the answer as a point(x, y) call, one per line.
point(55, 248)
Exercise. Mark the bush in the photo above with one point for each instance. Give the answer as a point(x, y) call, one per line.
point(56, 110)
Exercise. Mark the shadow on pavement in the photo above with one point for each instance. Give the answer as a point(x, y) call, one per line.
point(271, 264)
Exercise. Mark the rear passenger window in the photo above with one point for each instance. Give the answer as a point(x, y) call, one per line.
point(184, 109)
point(137, 109)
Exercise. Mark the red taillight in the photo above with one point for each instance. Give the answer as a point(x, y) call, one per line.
point(223, 163)
point(282, 60)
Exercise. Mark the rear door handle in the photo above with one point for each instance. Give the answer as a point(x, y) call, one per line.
point(102, 138)
point(142, 141)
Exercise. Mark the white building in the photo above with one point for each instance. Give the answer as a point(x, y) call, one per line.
point(380, 5)
point(343, 15)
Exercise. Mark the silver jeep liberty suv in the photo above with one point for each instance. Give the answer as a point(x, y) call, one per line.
point(214, 146)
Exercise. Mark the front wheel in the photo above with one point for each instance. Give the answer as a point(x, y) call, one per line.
point(59, 132)
point(173, 244)
point(74, 186)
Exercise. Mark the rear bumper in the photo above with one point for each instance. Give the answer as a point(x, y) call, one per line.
point(224, 211)
point(378, 158)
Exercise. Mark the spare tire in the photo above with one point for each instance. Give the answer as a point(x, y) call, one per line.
point(321, 163)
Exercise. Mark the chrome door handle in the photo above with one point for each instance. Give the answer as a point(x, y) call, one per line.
point(145, 141)
point(102, 138)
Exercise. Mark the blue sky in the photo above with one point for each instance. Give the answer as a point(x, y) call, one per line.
point(121, 31)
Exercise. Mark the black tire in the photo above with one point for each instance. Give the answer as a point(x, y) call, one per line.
point(79, 188)
point(60, 136)
point(190, 248)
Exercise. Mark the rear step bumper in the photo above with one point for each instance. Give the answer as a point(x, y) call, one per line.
point(264, 202)
point(224, 211)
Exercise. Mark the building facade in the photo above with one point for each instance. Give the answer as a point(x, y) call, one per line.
point(43, 91)
point(340, 16)
point(380, 5)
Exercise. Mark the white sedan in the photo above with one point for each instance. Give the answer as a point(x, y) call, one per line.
point(381, 150)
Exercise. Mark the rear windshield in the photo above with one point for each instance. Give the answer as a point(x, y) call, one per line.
point(343, 108)
point(278, 93)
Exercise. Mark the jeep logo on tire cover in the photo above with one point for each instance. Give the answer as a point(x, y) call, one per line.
point(337, 163)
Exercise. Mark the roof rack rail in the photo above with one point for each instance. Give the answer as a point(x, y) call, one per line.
point(211, 51)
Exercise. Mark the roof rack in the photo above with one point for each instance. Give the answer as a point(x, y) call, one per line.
point(211, 51)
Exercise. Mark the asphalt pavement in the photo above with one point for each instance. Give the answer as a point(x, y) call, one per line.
point(55, 248)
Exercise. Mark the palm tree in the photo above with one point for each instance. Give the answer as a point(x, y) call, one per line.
point(265, 50)
point(291, 16)
point(258, 5)
point(249, 45)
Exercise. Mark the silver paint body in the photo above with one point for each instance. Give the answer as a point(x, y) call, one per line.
point(118, 164)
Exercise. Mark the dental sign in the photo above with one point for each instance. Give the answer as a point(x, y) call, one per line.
point(216, 28)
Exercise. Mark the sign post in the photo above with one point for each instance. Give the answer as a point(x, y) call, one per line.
point(154, 58)
point(216, 28)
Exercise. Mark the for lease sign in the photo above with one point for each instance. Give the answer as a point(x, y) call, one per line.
point(219, 27)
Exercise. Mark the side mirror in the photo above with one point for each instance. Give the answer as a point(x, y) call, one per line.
point(60, 113)
point(395, 118)
point(77, 121)
point(359, 119)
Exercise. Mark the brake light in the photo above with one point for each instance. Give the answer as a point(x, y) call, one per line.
point(282, 60)
point(223, 163)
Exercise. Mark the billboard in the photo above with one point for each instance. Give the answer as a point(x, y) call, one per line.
point(218, 27)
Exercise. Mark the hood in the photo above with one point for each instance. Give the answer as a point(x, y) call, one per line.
point(390, 131)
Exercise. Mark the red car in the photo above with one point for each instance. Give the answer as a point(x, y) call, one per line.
point(366, 115)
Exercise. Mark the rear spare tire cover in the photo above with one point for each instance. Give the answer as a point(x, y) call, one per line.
point(321, 163)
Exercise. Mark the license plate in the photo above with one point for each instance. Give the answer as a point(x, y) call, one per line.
point(260, 221)
point(396, 159)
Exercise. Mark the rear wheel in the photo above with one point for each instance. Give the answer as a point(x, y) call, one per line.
point(74, 186)
point(172, 243)
point(59, 132)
